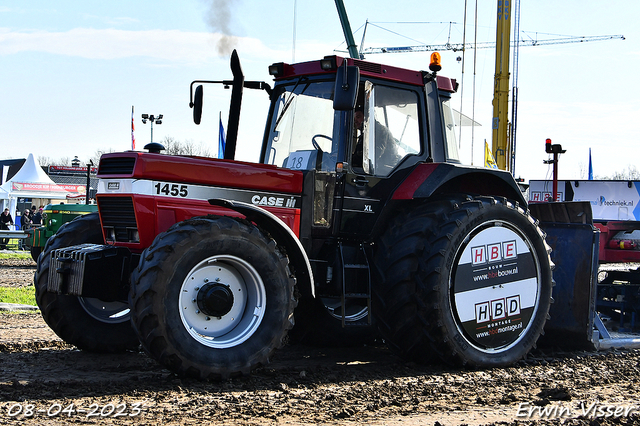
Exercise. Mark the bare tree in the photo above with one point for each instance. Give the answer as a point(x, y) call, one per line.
point(582, 170)
point(44, 161)
point(171, 144)
point(630, 173)
point(175, 147)
point(95, 158)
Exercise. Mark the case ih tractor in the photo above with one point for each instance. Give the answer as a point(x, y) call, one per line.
point(359, 215)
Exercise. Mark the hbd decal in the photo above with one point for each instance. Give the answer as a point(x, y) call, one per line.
point(496, 252)
point(498, 309)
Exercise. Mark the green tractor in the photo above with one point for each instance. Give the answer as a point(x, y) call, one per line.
point(53, 217)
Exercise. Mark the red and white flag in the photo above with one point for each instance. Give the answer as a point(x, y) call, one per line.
point(133, 138)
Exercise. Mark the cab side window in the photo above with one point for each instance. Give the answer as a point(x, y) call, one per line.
point(390, 129)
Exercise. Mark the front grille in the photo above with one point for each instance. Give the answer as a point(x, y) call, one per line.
point(118, 218)
point(117, 166)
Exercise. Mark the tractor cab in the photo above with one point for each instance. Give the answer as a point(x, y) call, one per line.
point(359, 128)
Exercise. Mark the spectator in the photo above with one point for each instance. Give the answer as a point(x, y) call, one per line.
point(26, 219)
point(5, 221)
point(37, 218)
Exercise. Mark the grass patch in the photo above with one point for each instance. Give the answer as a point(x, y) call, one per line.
point(21, 295)
point(16, 255)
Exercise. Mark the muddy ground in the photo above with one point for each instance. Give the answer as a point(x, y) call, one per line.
point(45, 381)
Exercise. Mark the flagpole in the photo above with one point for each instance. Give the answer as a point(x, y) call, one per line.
point(133, 138)
point(221, 138)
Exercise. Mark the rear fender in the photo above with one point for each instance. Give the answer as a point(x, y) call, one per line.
point(430, 179)
point(281, 233)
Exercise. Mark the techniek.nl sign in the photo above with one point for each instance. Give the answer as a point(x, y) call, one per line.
point(610, 200)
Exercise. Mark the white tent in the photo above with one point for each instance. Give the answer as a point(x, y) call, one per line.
point(31, 182)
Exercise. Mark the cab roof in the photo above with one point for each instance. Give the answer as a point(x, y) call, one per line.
point(283, 71)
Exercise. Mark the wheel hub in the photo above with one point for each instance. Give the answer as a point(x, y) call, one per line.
point(215, 299)
point(222, 301)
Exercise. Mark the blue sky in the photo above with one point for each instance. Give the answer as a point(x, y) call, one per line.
point(70, 71)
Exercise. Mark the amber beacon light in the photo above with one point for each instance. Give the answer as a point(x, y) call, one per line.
point(436, 62)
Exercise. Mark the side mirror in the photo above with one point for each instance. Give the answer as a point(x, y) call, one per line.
point(346, 88)
point(197, 105)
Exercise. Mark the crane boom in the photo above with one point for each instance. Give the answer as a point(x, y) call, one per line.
point(346, 28)
point(456, 47)
point(500, 142)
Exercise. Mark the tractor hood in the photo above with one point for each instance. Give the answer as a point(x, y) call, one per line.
point(199, 170)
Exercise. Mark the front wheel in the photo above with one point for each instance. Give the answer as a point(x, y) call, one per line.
point(90, 324)
point(468, 279)
point(212, 298)
point(35, 253)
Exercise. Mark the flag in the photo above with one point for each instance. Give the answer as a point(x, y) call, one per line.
point(221, 139)
point(133, 138)
point(488, 158)
point(590, 166)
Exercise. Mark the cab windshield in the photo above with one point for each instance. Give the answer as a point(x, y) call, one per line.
point(301, 129)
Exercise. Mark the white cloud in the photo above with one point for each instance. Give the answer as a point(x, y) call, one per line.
point(168, 45)
point(110, 21)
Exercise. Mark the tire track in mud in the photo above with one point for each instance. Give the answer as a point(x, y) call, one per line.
point(305, 385)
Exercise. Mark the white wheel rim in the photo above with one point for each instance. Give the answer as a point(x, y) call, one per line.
point(107, 312)
point(354, 311)
point(246, 311)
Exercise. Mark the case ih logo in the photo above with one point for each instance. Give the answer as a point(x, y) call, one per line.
point(113, 186)
point(498, 309)
point(497, 252)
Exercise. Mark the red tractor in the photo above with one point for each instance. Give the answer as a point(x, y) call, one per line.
point(358, 216)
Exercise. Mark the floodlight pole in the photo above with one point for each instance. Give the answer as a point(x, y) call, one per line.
point(152, 119)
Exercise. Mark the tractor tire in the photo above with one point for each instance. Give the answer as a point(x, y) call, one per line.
point(35, 253)
point(87, 323)
point(319, 324)
point(212, 298)
point(466, 279)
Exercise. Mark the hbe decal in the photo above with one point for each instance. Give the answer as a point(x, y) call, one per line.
point(493, 252)
point(497, 309)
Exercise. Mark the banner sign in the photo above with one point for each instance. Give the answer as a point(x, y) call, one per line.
point(68, 170)
point(47, 187)
point(609, 199)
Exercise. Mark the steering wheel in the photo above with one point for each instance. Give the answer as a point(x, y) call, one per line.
point(315, 143)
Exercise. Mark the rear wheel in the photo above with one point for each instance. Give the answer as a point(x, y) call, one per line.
point(88, 323)
point(466, 279)
point(212, 298)
point(319, 323)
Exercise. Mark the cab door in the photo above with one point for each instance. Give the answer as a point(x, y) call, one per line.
point(381, 148)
